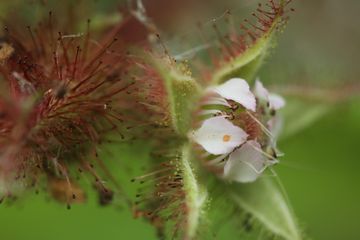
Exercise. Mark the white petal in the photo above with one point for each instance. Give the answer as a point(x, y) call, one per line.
point(238, 90)
point(218, 135)
point(245, 164)
point(276, 101)
point(260, 91)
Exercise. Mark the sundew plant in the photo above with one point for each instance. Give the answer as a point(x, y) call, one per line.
point(82, 93)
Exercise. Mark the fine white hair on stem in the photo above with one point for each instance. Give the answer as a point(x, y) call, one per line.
point(75, 35)
point(189, 54)
point(25, 85)
point(273, 160)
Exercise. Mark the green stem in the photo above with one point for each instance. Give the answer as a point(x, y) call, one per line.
point(195, 196)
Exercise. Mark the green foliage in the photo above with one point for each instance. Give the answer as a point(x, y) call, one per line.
point(265, 201)
point(246, 64)
point(182, 93)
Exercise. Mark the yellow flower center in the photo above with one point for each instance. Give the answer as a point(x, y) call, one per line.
point(226, 138)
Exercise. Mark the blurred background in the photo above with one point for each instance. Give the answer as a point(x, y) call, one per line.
point(315, 65)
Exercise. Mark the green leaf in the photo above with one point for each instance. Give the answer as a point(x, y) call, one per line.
point(182, 91)
point(265, 201)
point(247, 63)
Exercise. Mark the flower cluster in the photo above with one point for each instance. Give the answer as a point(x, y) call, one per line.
point(239, 130)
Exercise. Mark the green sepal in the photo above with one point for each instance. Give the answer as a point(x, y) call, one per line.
point(265, 201)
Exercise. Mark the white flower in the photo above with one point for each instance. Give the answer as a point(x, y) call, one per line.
point(238, 90)
point(218, 135)
point(275, 101)
point(239, 158)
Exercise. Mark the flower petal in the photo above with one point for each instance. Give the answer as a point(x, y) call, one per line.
point(245, 164)
point(238, 90)
point(260, 91)
point(276, 101)
point(218, 135)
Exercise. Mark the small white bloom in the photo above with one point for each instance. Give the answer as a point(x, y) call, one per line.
point(218, 135)
point(239, 159)
point(245, 164)
point(275, 101)
point(238, 90)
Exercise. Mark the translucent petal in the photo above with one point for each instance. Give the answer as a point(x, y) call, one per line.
point(246, 163)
